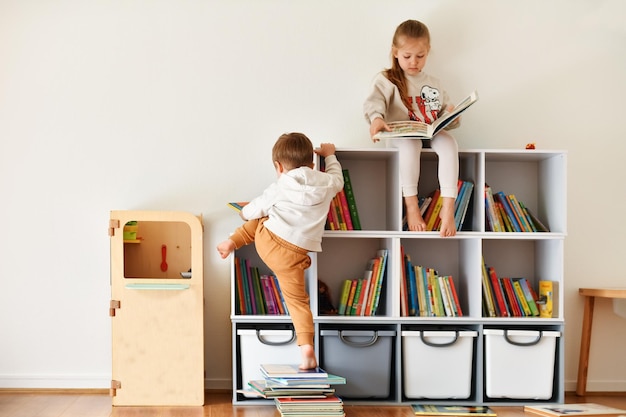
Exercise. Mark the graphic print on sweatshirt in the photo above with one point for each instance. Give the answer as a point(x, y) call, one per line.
point(428, 105)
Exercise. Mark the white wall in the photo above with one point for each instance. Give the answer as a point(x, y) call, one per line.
point(129, 104)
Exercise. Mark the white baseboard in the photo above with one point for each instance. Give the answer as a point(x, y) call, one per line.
point(81, 382)
point(56, 381)
point(598, 386)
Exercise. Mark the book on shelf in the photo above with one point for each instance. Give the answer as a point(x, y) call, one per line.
point(547, 298)
point(361, 296)
point(420, 130)
point(343, 213)
point(377, 286)
point(529, 294)
point(511, 297)
point(494, 220)
point(451, 410)
point(566, 410)
point(519, 293)
point(488, 297)
point(256, 293)
point(343, 296)
point(433, 215)
point(498, 291)
point(430, 207)
point(506, 213)
point(273, 371)
point(411, 285)
point(352, 207)
point(429, 294)
point(404, 300)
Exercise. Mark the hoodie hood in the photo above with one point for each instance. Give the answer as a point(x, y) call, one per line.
point(304, 186)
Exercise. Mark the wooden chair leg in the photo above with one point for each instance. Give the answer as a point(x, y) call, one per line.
point(585, 343)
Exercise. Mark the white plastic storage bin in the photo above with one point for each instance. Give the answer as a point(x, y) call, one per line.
point(438, 363)
point(520, 363)
point(258, 346)
point(363, 357)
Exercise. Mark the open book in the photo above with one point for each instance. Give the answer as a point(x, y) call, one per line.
point(237, 206)
point(420, 130)
point(566, 410)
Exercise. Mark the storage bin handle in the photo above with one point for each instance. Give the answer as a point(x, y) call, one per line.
point(513, 342)
point(366, 343)
point(444, 344)
point(267, 342)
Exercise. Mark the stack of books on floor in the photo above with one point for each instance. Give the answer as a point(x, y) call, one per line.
point(299, 392)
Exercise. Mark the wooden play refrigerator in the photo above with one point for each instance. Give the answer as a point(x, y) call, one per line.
point(156, 309)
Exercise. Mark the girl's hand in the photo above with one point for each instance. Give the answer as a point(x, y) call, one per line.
point(376, 126)
point(456, 123)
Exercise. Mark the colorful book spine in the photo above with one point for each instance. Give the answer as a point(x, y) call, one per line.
point(459, 217)
point(382, 254)
point(339, 213)
point(343, 298)
point(353, 284)
point(522, 298)
point(491, 210)
point(519, 213)
point(271, 306)
point(258, 291)
point(528, 294)
point(488, 298)
point(345, 210)
point(510, 214)
point(546, 295)
point(280, 302)
point(510, 297)
point(431, 207)
point(240, 297)
point(354, 306)
point(404, 301)
point(455, 297)
point(354, 212)
point(282, 299)
point(374, 266)
point(498, 292)
point(412, 286)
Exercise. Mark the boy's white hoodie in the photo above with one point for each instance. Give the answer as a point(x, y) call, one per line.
point(297, 204)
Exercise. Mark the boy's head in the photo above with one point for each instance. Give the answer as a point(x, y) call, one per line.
point(293, 150)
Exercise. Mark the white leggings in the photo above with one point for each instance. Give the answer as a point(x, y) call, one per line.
point(410, 150)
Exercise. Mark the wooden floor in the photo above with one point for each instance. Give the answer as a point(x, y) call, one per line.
point(84, 404)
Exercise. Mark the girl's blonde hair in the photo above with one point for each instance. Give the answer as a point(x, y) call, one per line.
point(408, 29)
point(293, 150)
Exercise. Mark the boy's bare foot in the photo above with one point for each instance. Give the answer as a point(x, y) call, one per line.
point(448, 225)
point(308, 357)
point(413, 215)
point(225, 248)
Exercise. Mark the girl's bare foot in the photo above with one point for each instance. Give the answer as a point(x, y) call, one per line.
point(308, 357)
point(413, 215)
point(448, 225)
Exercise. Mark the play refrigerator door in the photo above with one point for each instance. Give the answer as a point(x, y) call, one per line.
point(156, 308)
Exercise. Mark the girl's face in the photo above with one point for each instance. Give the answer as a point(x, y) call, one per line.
point(411, 54)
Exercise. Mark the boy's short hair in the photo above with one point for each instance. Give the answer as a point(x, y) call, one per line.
point(293, 150)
